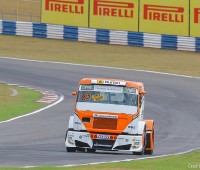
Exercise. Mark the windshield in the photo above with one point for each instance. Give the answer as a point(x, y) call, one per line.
point(107, 98)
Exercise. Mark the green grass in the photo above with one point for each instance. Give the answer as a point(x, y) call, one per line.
point(24, 102)
point(178, 162)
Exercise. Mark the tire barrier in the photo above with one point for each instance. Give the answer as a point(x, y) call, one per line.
point(102, 36)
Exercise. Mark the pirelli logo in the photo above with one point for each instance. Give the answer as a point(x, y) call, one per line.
point(196, 15)
point(67, 6)
point(113, 8)
point(164, 13)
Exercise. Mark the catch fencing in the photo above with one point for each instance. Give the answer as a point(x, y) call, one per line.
point(99, 35)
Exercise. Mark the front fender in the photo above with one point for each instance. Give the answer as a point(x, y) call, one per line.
point(71, 122)
point(141, 127)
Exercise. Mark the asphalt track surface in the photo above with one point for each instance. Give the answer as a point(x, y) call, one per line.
point(172, 101)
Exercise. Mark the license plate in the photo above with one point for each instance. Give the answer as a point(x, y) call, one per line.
point(103, 137)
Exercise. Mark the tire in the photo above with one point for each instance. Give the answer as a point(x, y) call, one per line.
point(70, 149)
point(150, 152)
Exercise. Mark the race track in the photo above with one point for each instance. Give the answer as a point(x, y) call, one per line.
point(172, 101)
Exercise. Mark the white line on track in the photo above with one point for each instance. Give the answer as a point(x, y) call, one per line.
point(82, 65)
point(95, 66)
point(14, 92)
point(125, 160)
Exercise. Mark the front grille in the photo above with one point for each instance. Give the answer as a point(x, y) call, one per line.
point(81, 144)
point(123, 147)
point(103, 144)
point(104, 123)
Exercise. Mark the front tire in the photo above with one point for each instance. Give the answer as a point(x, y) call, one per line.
point(150, 152)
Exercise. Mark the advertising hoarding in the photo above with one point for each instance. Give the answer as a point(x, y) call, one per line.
point(164, 17)
point(195, 18)
point(65, 12)
point(114, 14)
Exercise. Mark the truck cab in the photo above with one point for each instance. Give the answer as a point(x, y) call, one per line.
point(108, 115)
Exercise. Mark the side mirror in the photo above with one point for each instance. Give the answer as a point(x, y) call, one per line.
point(74, 93)
point(143, 92)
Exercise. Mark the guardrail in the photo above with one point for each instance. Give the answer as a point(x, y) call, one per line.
point(100, 36)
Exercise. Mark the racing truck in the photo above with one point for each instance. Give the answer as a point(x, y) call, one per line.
point(108, 115)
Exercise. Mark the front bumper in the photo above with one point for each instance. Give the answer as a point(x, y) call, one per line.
point(123, 142)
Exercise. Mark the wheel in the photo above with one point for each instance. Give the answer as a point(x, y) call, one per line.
point(71, 149)
point(150, 152)
point(91, 150)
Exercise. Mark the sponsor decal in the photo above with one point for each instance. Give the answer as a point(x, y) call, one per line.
point(109, 82)
point(104, 88)
point(196, 15)
point(102, 145)
point(85, 96)
point(129, 90)
point(164, 13)
point(105, 116)
point(131, 127)
point(104, 137)
point(97, 97)
point(87, 87)
point(113, 8)
point(66, 6)
point(100, 82)
point(77, 123)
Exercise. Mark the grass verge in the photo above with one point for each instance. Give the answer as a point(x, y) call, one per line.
point(16, 101)
point(178, 162)
point(171, 61)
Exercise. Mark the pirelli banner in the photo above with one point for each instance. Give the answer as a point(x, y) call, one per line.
point(172, 17)
point(165, 16)
point(114, 14)
point(195, 18)
point(65, 12)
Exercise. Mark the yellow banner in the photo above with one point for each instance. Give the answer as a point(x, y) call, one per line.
point(65, 12)
point(114, 14)
point(164, 17)
point(195, 18)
